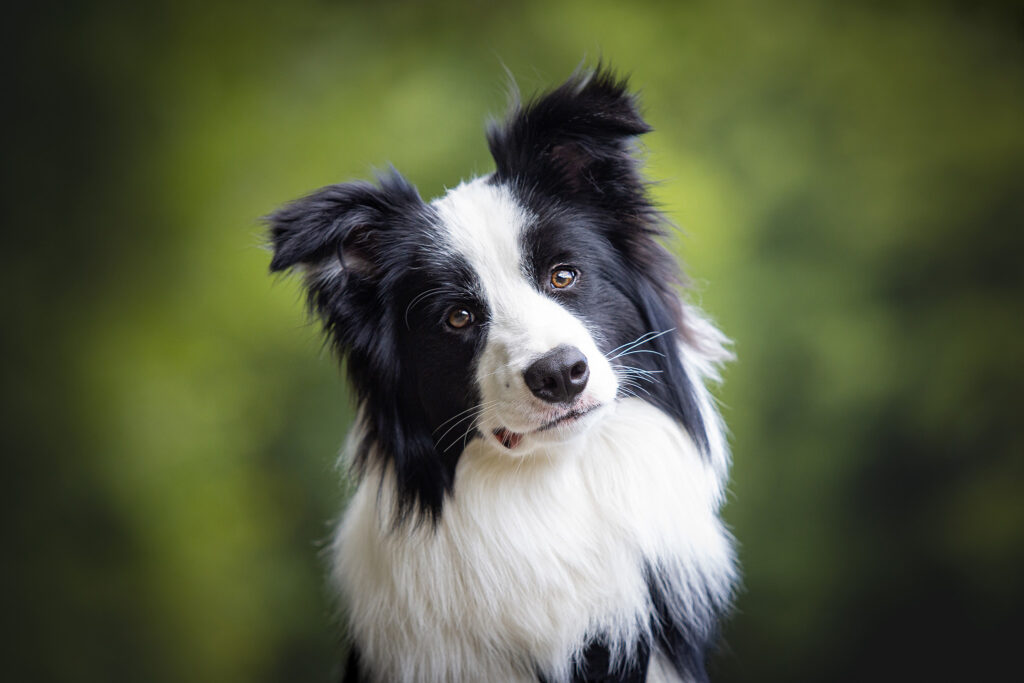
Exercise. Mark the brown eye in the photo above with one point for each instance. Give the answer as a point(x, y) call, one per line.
point(459, 318)
point(563, 277)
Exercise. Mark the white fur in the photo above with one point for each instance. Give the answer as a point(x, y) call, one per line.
point(535, 553)
point(532, 555)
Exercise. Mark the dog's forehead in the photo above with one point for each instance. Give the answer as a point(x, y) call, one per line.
point(483, 223)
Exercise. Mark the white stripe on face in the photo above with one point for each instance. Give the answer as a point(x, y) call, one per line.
point(484, 224)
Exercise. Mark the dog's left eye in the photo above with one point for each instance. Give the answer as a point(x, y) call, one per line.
point(459, 318)
point(563, 276)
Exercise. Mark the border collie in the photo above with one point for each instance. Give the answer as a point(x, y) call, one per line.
point(540, 464)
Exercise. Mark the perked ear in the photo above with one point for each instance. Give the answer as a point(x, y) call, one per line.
point(338, 227)
point(576, 139)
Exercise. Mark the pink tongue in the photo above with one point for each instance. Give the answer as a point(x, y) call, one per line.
point(508, 439)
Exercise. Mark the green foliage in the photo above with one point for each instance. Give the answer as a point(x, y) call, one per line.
point(848, 180)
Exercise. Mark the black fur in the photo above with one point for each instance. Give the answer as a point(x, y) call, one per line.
point(387, 235)
point(680, 636)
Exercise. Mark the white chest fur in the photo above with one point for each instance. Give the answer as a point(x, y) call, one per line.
point(532, 556)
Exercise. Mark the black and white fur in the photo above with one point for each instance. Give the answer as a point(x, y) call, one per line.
point(510, 525)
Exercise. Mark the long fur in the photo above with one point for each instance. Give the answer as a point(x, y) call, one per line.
point(499, 534)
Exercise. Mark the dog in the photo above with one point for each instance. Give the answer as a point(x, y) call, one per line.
point(540, 465)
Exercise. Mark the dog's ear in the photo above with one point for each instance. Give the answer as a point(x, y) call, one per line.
point(575, 140)
point(348, 240)
point(338, 229)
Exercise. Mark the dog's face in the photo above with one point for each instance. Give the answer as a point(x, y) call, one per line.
point(538, 369)
point(506, 310)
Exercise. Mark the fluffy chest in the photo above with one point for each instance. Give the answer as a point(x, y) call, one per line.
point(532, 557)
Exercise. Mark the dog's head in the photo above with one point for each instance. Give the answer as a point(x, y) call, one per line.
point(516, 309)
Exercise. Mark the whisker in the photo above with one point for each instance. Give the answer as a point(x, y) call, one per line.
point(637, 373)
point(631, 391)
point(471, 408)
point(631, 379)
point(477, 419)
point(630, 370)
point(639, 340)
point(635, 385)
point(642, 339)
point(635, 351)
point(462, 437)
point(471, 416)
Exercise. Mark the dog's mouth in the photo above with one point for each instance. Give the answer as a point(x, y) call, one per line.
point(507, 439)
point(511, 440)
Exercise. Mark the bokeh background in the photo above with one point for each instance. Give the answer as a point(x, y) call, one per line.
point(849, 183)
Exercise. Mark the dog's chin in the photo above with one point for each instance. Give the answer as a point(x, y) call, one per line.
point(559, 430)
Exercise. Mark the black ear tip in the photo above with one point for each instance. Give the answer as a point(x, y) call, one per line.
point(602, 77)
point(610, 94)
point(286, 253)
point(280, 263)
point(577, 135)
point(280, 241)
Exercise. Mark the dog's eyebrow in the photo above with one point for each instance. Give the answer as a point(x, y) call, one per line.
point(416, 299)
point(446, 293)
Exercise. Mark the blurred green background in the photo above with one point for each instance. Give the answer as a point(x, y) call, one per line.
point(849, 179)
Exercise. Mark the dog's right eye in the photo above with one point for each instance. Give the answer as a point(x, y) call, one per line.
point(563, 277)
point(459, 318)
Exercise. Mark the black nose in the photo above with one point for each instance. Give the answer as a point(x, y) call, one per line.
point(559, 375)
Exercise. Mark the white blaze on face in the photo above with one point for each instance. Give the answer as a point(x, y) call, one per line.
point(484, 224)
